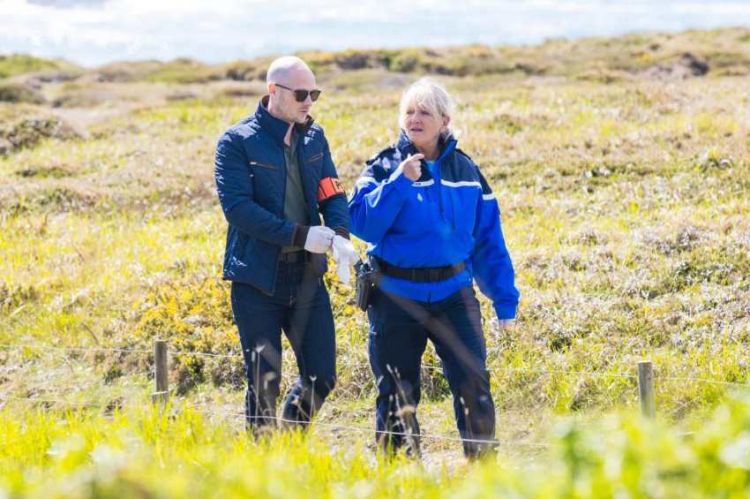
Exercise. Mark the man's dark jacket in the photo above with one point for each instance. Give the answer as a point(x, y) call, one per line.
point(251, 183)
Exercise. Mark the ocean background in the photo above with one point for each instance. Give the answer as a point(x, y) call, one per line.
point(92, 32)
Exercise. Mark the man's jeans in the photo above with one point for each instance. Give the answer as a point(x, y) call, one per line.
point(300, 306)
point(399, 330)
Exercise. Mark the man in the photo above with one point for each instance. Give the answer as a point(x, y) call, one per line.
point(275, 177)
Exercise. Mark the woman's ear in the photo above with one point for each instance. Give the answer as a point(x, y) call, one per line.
point(446, 121)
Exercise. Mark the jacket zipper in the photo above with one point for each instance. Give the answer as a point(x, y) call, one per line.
point(437, 166)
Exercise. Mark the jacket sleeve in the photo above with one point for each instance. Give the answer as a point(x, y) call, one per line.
point(333, 209)
point(376, 203)
point(491, 263)
point(235, 188)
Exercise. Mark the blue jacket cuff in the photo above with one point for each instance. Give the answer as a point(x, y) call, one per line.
point(505, 311)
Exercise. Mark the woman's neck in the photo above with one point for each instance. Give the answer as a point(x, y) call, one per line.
point(430, 151)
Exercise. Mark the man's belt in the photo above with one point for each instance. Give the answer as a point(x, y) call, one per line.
point(419, 274)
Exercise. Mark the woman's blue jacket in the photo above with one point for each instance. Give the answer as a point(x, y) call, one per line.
point(448, 216)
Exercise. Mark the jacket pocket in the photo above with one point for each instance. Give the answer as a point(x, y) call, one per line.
point(268, 166)
point(314, 158)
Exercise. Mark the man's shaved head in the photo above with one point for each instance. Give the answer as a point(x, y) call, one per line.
point(285, 75)
point(284, 68)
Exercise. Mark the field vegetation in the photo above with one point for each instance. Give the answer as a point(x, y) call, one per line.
point(622, 170)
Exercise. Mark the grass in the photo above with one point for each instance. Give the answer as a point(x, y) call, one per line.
point(18, 64)
point(624, 207)
point(181, 453)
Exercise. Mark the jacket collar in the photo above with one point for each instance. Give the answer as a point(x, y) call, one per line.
point(275, 126)
point(446, 144)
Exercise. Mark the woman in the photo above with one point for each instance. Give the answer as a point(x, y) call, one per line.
point(433, 225)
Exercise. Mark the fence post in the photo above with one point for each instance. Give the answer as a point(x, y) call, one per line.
point(161, 379)
point(646, 388)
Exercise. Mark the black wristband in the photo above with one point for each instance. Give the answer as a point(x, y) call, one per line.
point(299, 236)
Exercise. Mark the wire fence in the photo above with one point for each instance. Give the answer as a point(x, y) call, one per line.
point(298, 423)
point(342, 428)
point(347, 429)
point(348, 362)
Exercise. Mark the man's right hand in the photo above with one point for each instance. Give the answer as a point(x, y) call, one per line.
point(411, 166)
point(319, 239)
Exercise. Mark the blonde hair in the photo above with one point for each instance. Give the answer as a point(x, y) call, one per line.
point(429, 95)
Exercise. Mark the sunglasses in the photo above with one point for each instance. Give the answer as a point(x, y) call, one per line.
point(301, 95)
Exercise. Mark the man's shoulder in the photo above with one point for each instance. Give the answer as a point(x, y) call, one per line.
point(314, 133)
point(245, 128)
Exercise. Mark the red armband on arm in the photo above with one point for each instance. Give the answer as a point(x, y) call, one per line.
point(328, 188)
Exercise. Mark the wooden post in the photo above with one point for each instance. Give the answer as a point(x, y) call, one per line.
point(646, 388)
point(161, 378)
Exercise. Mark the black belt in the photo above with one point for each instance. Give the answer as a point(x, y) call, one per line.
point(294, 256)
point(420, 274)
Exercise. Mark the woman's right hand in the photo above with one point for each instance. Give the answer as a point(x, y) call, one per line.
point(411, 166)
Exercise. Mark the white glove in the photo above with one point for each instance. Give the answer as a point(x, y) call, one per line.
point(345, 256)
point(319, 239)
